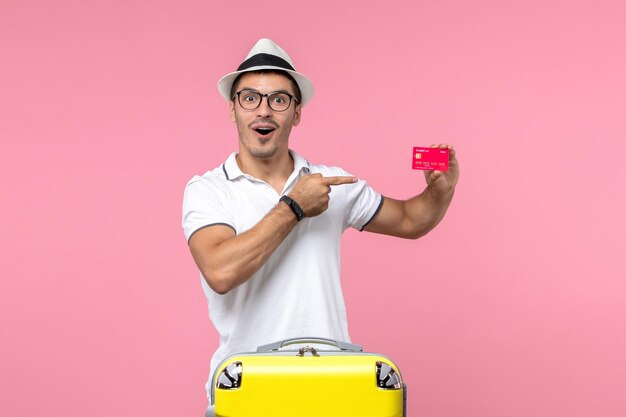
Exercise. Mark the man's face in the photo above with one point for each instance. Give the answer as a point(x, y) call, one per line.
point(264, 132)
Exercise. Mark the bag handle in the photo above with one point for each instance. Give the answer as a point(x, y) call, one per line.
point(319, 340)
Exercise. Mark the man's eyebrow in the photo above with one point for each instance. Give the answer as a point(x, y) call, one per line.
point(271, 92)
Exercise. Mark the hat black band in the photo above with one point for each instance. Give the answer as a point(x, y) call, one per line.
point(259, 60)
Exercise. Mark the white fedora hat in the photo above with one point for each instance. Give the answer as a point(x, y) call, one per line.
point(265, 54)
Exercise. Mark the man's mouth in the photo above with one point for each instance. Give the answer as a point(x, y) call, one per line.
point(264, 130)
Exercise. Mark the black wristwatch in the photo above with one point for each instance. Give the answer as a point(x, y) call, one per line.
point(297, 210)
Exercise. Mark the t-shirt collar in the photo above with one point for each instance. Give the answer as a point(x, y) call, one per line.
point(232, 170)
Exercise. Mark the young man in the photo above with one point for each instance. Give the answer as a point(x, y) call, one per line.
point(264, 228)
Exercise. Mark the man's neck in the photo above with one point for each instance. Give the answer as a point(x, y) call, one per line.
point(274, 170)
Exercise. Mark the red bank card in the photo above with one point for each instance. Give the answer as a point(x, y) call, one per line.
point(430, 158)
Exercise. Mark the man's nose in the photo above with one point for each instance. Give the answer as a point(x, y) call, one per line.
point(264, 109)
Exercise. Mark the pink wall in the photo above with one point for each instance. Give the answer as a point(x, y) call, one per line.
point(514, 306)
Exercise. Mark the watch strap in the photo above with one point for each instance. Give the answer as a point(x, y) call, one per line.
point(295, 207)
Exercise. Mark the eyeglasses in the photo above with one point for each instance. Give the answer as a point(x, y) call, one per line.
point(278, 101)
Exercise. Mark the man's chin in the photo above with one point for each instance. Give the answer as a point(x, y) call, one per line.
point(263, 153)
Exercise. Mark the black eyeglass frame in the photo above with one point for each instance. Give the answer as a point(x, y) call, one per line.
point(267, 96)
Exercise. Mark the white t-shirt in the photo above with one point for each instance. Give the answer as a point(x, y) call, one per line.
point(297, 292)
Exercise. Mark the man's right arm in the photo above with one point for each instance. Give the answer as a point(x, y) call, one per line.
point(227, 259)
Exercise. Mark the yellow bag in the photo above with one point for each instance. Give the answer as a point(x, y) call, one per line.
point(308, 381)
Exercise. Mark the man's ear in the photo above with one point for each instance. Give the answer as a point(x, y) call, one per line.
point(232, 111)
point(297, 115)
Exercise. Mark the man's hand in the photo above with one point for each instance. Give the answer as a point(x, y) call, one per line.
point(311, 192)
point(416, 216)
point(443, 183)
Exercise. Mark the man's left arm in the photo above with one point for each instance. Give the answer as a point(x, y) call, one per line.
point(415, 217)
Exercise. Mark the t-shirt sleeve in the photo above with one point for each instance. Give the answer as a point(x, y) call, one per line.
point(205, 203)
point(363, 204)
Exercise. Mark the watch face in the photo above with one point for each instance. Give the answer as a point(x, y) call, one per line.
point(293, 206)
point(297, 210)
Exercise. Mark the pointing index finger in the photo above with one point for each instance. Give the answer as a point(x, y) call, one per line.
point(338, 180)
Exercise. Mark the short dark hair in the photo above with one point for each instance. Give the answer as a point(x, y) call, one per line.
point(296, 88)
